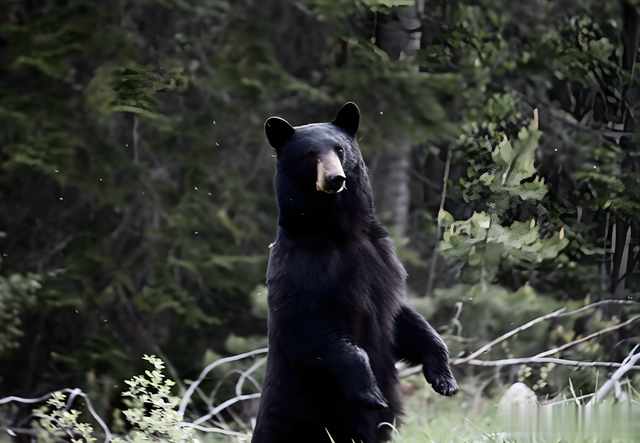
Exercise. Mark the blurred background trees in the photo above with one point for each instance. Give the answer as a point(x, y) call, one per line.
point(136, 204)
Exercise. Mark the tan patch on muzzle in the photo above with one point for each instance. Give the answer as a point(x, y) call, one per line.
point(329, 165)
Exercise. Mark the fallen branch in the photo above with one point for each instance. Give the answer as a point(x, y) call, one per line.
point(525, 360)
point(627, 364)
point(225, 405)
point(216, 430)
point(212, 396)
point(205, 371)
point(559, 361)
point(600, 303)
point(246, 374)
point(556, 314)
point(503, 337)
point(588, 337)
point(570, 400)
point(73, 393)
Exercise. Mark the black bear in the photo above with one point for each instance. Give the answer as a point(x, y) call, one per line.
point(338, 322)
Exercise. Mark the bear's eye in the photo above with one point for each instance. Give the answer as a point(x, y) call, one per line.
point(339, 150)
point(310, 154)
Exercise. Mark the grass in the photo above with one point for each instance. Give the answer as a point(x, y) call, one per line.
point(470, 417)
point(430, 417)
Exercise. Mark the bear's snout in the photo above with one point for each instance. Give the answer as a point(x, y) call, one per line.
point(330, 175)
point(336, 182)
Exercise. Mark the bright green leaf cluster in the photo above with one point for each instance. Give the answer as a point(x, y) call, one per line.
point(151, 411)
point(152, 408)
point(484, 244)
point(61, 422)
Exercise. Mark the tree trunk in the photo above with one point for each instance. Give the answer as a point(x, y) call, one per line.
point(390, 177)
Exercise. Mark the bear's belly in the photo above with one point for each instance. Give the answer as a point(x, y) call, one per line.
point(301, 404)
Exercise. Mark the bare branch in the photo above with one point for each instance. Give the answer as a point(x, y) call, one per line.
point(205, 371)
point(588, 337)
point(212, 396)
point(600, 303)
point(558, 361)
point(539, 358)
point(225, 405)
point(503, 337)
point(216, 430)
point(556, 314)
point(570, 400)
point(443, 197)
point(73, 393)
point(248, 373)
point(627, 364)
point(526, 360)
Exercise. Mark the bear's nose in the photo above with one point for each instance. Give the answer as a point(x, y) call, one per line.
point(336, 181)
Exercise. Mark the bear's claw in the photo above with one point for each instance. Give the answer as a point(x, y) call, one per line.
point(440, 378)
point(444, 385)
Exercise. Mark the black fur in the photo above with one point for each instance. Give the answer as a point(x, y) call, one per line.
point(337, 318)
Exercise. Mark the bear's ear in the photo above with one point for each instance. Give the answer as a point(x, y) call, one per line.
point(348, 118)
point(278, 132)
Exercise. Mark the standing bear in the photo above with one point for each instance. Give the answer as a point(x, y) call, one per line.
point(338, 322)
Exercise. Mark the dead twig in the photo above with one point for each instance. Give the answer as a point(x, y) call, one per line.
point(600, 303)
point(225, 405)
point(588, 337)
point(216, 430)
point(205, 371)
point(526, 360)
point(245, 374)
point(539, 358)
point(557, 314)
point(558, 361)
point(434, 259)
point(503, 337)
point(73, 393)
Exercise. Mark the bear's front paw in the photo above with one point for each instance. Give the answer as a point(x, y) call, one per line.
point(371, 399)
point(444, 384)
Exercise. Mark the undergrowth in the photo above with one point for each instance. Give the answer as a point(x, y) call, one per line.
point(470, 416)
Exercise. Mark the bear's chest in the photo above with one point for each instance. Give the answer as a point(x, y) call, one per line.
point(353, 284)
point(323, 267)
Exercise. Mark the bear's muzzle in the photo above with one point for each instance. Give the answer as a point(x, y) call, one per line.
point(330, 175)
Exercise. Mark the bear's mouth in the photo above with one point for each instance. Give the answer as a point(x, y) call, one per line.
point(330, 177)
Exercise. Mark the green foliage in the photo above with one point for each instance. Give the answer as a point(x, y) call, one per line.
point(152, 408)
point(131, 212)
point(238, 345)
point(60, 422)
point(130, 88)
point(404, 87)
point(482, 242)
point(17, 292)
point(484, 245)
point(327, 9)
point(136, 183)
point(145, 172)
point(526, 371)
point(151, 411)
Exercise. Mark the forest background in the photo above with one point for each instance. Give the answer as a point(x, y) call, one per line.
point(136, 200)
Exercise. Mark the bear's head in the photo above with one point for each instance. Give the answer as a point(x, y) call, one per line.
point(319, 170)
